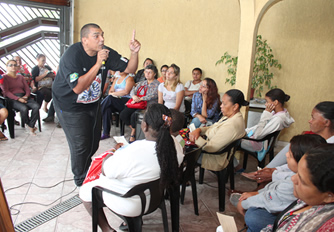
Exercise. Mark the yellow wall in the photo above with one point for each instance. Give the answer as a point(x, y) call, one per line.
point(195, 33)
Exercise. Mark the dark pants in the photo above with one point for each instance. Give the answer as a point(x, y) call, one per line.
point(128, 116)
point(24, 111)
point(47, 93)
point(51, 112)
point(258, 218)
point(108, 106)
point(82, 130)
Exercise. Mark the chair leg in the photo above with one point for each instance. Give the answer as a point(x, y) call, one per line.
point(183, 191)
point(271, 155)
point(116, 119)
point(10, 123)
point(201, 175)
point(194, 192)
point(174, 194)
point(134, 223)
point(122, 125)
point(164, 215)
point(230, 173)
point(39, 123)
point(245, 160)
point(221, 188)
point(95, 210)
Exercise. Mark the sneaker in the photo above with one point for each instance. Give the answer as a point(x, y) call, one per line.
point(49, 119)
point(234, 198)
point(105, 136)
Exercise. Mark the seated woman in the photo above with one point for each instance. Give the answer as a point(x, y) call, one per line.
point(193, 86)
point(314, 187)
point(274, 118)
point(205, 104)
point(3, 116)
point(260, 208)
point(119, 94)
point(321, 123)
point(140, 75)
point(128, 115)
point(151, 159)
point(163, 71)
point(43, 77)
point(18, 91)
point(171, 92)
point(228, 129)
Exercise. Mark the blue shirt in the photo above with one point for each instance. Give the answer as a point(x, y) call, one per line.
point(196, 107)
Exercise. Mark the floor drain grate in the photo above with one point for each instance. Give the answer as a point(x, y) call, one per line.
point(49, 214)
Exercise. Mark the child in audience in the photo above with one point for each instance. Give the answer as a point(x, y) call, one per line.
point(193, 85)
point(171, 92)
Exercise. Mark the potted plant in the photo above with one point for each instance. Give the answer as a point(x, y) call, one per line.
point(263, 63)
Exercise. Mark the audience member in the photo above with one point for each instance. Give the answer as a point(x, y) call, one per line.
point(140, 75)
point(151, 159)
point(263, 205)
point(18, 92)
point(128, 115)
point(205, 104)
point(228, 129)
point(119, 94)
point(3, 116)
point(163, 71)
point(321, 123)
point(193, 86)
point(314, 188)
point(274, 118)
point(171, 92)
point(23, 70)
point(43, 76)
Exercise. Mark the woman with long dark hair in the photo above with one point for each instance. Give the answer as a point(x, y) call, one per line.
point(205, 104)
point(140, 162)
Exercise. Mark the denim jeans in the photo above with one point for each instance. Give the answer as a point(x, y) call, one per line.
point(83, 132)
point(258, 218)
point(108, 106)
point(24, 111)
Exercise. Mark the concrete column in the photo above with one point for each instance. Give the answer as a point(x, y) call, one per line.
point(252, 12)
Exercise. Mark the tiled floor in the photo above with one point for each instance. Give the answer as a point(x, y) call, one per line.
point(44, 160)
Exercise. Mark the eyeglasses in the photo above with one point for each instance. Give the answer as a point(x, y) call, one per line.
point(11, 65)
point(203, 86)
point(163, 70)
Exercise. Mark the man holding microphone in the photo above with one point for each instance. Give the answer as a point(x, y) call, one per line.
point(77, 90)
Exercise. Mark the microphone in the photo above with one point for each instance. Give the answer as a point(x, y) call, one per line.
point(104, 61)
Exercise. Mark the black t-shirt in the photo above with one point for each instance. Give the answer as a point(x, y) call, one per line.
point(75, 63)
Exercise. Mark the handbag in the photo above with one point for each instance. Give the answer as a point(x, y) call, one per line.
point(138, 105)
point(95, 168)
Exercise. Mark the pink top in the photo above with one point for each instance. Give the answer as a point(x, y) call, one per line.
point(11, 86)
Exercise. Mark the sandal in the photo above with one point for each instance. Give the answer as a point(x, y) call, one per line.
point(3, 137)
point(132, 138)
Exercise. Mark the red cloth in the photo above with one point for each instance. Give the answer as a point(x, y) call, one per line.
point(95, 168)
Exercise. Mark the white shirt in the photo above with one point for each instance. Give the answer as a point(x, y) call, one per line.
point(170, 96)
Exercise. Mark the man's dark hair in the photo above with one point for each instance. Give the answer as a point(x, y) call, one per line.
point(85, 29)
